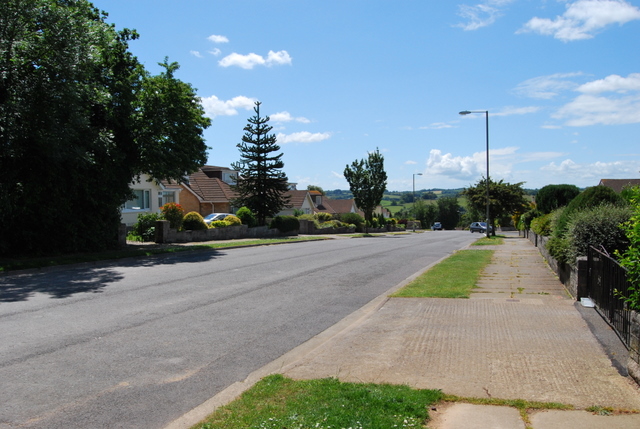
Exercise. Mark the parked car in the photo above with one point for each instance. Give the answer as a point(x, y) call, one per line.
point(480, 227)
point(215, 216)
point(437, 226)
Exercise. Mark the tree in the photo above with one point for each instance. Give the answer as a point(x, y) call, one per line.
point(315, 188)
point(367, 181)
point(448, 212)
point(551, 197)
point(426, 213)
point(74, 126)
point(261, 185)
point(505, 199)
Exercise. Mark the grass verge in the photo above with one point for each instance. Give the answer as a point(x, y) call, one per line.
point(280, 402)
point(454, 277)
point(493, 240)
point(134, 251)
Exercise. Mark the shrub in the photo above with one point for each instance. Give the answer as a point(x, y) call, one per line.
point(331, 224)
point(630, 258)
point(391, 221)
point(233, 220)
point(590, 197)
point(145, 228)
point(353, 219)
point(542, 225)
point(173, 213)
point(219, 224)
point(247, 217)
point(193, 221)
point(285, 223)
point(323, 216)
point(552, 197)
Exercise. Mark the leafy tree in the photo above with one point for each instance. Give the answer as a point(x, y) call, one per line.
point(630, 257)
point(367, 181)
point(426, 213)
point(505, 199)
point(315, 188)
point(448, 212)
point(551, 197)
point(429, 196)
point(261, 185)
point(76, 126)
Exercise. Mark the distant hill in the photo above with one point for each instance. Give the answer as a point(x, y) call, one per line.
point(339, 194)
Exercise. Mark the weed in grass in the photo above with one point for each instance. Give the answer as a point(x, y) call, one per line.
point(454, 277)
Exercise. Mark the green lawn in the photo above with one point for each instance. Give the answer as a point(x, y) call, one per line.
point(277, 402)
point(454, 277)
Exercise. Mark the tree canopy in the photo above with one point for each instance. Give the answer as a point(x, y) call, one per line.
point(261, 185)
point(80, 119)
point(505, 199)
point(367, 181)
point(551, 197)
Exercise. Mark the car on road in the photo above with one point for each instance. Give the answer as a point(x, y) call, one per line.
point(480, 227)
point(437, 226)
point(215, 216)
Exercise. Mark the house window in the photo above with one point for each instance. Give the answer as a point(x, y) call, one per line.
point(140, 200)
point(165, 197)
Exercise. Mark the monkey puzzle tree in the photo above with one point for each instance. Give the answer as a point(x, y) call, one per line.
point(261, 185)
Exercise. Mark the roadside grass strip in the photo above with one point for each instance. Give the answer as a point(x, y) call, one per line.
point(130, 252)
point(280, 402)
point(454, 277)
point(493, 240)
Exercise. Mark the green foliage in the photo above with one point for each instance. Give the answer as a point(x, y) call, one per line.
point(352, 219)
point(219, 224)
point(590, 197)
point(193, 221)
point(174, 213)
point(448, 212)
point(552, 197)
point(233, 220)
point(285, 223)
point(78, 125)
point(543, 225)
point(598, 227)
point(261, 185)
point(315, 188)
point(247, 217)
point(505, 199)
point(630, 257)
point(367, 181)
point(323, 216)
point(145, 227)
point(527, 218)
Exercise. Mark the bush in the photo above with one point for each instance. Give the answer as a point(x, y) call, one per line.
point(233, 220)
point(173, 213)
point(145, 228)
point(552, 197)
point(193, 221)
point(599, 227)
point(542, 225)
point(331, 224)
point(323, 216)
point(285, 223)
point(590, 197)
point(630, 258)
point(247, 217)
point(219, 224)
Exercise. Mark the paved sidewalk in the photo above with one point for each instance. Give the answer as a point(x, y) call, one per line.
point(520, 336)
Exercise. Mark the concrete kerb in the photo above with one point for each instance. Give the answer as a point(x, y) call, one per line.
point(289, 359)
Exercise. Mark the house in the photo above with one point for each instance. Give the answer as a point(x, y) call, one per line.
point(208, 190)
point(149, 196)
point(618, 184)
point(298, 200)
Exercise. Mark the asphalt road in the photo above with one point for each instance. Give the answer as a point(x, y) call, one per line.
point(139, 343)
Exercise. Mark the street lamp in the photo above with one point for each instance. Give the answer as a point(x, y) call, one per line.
point(414, 200)
point(486, 112)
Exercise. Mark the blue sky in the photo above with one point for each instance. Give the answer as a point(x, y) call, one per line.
point(340, 78)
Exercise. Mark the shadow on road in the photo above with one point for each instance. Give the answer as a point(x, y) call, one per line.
point(63, 282)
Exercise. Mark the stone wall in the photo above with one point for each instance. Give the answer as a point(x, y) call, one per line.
point(164, 234)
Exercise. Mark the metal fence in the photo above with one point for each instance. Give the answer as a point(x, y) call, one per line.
point(607, 285)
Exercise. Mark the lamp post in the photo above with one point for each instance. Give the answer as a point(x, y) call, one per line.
point(413, 207)
point(486, 112)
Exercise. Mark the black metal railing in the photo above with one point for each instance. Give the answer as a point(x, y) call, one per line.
point(607, 287)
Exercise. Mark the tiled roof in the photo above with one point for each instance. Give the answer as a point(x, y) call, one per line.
point(210, 189)
point(618, 184)
point(296, 198)
point(342, 206)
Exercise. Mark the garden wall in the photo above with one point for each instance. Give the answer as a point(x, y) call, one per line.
point(165, 234)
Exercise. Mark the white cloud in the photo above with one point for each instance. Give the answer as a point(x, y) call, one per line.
point(251, 60)
point(196, 54)
point(461, 167)
point(286, 117)
point(302, 137)
point(583, 18)
point(482, 14)
point(569, 171)
point(622, 106)
point(213, 106)
point(217, 39)
point(546, 87)
point(215, 52)
point(509, 111)
point(437, 126)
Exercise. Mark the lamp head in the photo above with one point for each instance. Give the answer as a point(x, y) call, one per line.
point(465, 112)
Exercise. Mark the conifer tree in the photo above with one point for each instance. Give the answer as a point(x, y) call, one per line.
point(261, 185)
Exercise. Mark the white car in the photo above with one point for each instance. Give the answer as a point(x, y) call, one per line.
point(215, 216)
